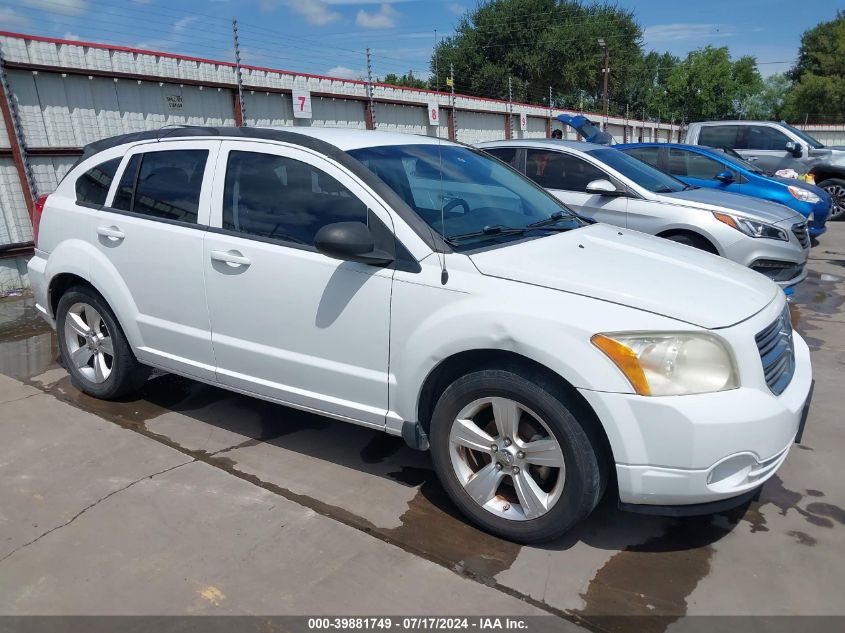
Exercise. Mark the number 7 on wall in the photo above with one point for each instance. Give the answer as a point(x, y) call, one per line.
point(301, 104)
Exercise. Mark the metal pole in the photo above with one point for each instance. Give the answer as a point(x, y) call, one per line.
point(606, 73)
point(510, 108)
point(14, 130)
point(454, 113)
point(238, 75)
point(370, 89)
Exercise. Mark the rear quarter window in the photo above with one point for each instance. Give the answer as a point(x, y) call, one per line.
point(92, 187)
point(720, 136)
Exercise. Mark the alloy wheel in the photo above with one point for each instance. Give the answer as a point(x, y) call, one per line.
point(506, 458)
point(837, 192)
point(89, 343)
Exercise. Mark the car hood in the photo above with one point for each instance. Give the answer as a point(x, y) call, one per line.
point(714, 200)
point(636, 270)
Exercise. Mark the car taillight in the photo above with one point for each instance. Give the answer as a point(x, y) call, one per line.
point(36, 216)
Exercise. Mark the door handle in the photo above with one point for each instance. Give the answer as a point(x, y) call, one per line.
point(233, 258)
point(111, 232)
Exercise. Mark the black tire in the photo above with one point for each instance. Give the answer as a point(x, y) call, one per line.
point(127, 374)
point(696, 241)
point(836, 188)
point(586, 469)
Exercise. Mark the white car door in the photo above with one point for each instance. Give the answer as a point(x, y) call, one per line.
point(566, 177)
point(287, 322)
point(151, 230)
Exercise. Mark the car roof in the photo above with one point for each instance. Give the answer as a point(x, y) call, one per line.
point(548, 143)
point(317, 138)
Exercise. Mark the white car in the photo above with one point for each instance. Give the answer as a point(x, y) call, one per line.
point(422, 288)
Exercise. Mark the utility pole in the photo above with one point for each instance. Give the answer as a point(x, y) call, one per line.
point(605, 72)
point(454, 113)
point(510, 108)
point(627, 116)
point(239, 77)
point(551, 114)
point(372, 107)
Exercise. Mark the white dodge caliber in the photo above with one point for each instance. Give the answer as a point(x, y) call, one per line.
point(422, 288)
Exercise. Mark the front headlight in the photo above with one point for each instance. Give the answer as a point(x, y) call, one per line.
point(670, 363)
point(752, 228)
point(804, 195)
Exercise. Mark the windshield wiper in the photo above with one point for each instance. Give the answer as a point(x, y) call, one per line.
point(688, 187)
point(491, 230)
point(555, 217)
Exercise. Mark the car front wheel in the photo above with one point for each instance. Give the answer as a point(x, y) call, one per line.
point(512, 455)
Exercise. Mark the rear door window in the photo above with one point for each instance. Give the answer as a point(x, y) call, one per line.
point(693, 165)
point(164, 185)
point(721, 136)
point(556, 170)
point(509, 155)
point(92, 187)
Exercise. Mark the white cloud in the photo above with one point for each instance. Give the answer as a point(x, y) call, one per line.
point(344, 72)
point(384, 18)
point(68, 7)
point(315, 12)
point(181, 25)
point(686, 31)
point(70, 36)
point(9, 18)
point(457, 9)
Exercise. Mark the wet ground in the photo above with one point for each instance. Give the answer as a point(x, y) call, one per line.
point(779, 555)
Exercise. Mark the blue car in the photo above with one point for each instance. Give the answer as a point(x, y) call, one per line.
point(725, 170)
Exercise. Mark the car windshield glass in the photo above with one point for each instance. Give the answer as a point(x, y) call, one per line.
point(803, 136)
point(729, 156)
point(465, 195)
point(642, 174)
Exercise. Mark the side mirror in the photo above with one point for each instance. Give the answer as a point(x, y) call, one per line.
point(350, 241)
point(793, 148)
point(603, 187)
point(725, 177)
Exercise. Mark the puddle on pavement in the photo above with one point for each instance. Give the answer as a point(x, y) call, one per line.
point(27, 344)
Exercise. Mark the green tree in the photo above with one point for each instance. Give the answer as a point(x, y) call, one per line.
point(540, 44)
point(818, 93)
point(709, 85)
point(406, 81)
point(769, 102)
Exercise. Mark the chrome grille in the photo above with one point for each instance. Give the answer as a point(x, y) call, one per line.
point(801, 233)
point(776, 353)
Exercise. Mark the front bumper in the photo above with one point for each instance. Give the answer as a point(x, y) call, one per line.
point(682, 450)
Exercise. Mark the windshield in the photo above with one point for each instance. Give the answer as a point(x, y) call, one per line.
point(730, 156)
point(641, 173)
point(803, 136)
point(459, 192)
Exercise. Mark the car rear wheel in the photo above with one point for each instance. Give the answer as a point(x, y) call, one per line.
point(512, 455)
point(93, 348)
point(836, 188)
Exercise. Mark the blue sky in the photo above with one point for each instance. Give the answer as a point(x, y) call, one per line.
point(330, 36)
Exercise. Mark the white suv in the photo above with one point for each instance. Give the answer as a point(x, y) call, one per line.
point(420, 287)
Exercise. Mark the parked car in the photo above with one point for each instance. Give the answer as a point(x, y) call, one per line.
point(606, 185)
point(725, 171)
point(774, 146)
point(420, 287)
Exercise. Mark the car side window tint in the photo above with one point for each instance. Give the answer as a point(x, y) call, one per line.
point(92, 187)
point(282, 198)
point(646, 154)
point(164, 185)
point(556, 170)
point(507, 155)
point(693, 165)
point(763, 137)
point(720, 136)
